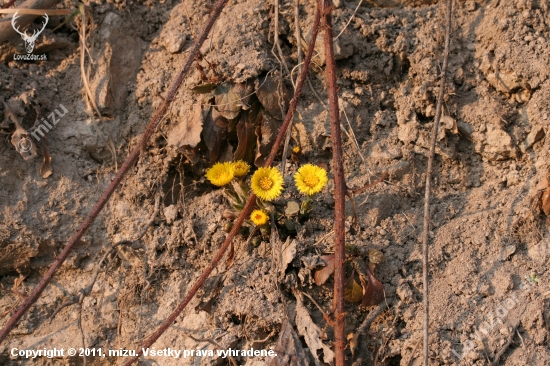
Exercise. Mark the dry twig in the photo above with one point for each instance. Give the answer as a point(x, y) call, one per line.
point(298, 35)
point(411, 357)
point(339, 187)
point(425, 239)
point(362, 331)
point(364, 327)
point(130, 160)
point(276, 41)
point(359, 190)
point(299, 46)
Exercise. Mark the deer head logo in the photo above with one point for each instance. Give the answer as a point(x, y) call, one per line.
point(29, 40)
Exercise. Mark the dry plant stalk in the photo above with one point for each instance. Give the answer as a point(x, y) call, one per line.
point(339, 188)
point(298, 36)
point(276, 40)
point(426, 229)
point(85, 80)
point(155, 120)
point(249, 203)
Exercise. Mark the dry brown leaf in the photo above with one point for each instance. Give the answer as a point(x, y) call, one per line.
point(230, 256)
point(227, 154)
point(373, 290)
point(289, 252)
point(311, 333)
point(266, 135)
point(322, 275)
point(228, 103)
point(188, 132)
point(244, 91)
point(352, 340)
point(272, 100)
point(46, 169)
point(204, 88)
point(191, 153)
point(449, 123)
point(545, 199)
point(255, 114)
point(247, 139)
point(289, 349)
point(20, 138)
point(16, 284)
point(214, 137)
point(353, 291)
point(220, 120)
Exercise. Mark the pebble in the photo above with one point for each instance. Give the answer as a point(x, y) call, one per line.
point(507, 252)
point(512, 178)
point(470, 5)
point(174, 42)
point(535, 135)
point(405, 293)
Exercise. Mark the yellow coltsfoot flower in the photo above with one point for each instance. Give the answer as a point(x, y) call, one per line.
point(241, 168)
point(220, 174)
point(259, 217)
point(295, 154)
point(267, 183)
point(310, 179)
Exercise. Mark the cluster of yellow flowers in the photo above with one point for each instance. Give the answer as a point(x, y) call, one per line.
point(267, 183)
point(222, 174)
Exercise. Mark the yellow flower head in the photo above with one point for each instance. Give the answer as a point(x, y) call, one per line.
point(220, 174)
point(267, 183)
point(310, 179)
point(297, 149)
point(259, 217)
point(241, 168)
